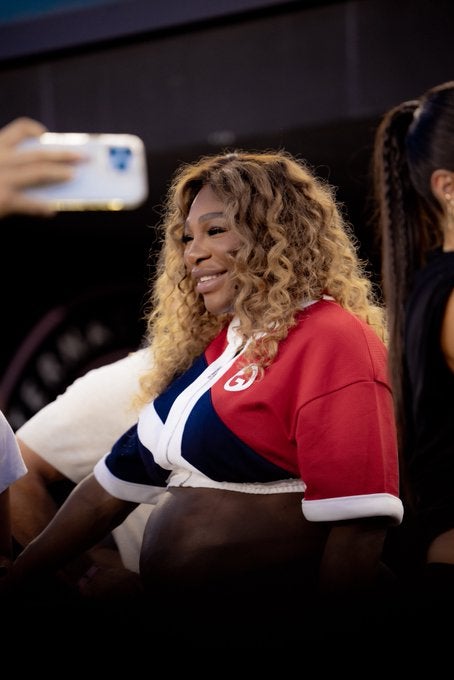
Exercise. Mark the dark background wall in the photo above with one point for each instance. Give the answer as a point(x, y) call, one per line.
point(189, 78)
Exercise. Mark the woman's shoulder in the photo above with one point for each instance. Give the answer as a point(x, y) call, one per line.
point(334, 334)
point(329, 318)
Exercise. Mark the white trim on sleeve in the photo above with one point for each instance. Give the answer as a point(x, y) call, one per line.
point(354, 507)
point(126, 491)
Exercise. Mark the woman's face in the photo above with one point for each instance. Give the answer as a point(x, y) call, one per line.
point(207, 243)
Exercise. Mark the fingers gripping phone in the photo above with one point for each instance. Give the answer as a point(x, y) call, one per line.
point(111, 176)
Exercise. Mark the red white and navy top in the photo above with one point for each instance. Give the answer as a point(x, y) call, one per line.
point(319, 421)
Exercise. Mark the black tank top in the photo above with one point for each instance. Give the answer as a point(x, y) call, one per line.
point(429, 398)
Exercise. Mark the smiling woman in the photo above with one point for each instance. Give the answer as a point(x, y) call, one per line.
point(266, 436)
point(209, 251)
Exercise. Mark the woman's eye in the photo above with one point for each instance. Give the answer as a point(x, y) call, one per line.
point(216, 230)
point(186, 239)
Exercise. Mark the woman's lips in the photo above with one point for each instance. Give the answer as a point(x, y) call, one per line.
point(210, 282)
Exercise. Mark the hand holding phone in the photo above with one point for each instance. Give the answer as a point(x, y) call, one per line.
point(112, 174)
point(19, 169)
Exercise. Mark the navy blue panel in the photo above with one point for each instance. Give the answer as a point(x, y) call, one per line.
point(217, 452)
point(164, 402)
point(131, 461)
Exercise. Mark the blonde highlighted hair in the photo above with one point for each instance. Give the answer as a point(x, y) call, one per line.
point(295, 247)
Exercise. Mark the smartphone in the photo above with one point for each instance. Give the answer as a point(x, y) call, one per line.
point(112, 176)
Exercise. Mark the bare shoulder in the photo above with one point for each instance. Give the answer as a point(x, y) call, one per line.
point(447, 332)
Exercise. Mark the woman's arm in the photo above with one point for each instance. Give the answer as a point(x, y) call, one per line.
point(32, 504)
point(447, 333)
point(5, 532)
point(351, 561)
point(88, 514)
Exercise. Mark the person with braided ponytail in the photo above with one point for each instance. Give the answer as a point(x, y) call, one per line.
point(266, 435)
point(413, 171)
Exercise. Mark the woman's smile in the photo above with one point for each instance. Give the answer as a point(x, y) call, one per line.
point(208, 283)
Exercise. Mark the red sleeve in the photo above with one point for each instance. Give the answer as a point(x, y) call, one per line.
point(347, 454)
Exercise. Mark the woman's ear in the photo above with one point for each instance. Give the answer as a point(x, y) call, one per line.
point(442, 185)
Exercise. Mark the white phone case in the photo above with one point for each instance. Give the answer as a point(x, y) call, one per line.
point(113, 175)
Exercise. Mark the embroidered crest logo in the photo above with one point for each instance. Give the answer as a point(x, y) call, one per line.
point(241, 380)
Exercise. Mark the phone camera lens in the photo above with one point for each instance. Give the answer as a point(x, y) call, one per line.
point(120, 157)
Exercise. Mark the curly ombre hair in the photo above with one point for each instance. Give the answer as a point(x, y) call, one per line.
point(295, 247)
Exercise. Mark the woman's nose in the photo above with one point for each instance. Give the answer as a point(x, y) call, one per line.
point(195, 251)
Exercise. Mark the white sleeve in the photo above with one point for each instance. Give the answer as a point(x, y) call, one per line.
point(12, 467)
point(73, 432)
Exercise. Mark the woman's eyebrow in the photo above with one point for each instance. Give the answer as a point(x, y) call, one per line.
point(206, 217)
